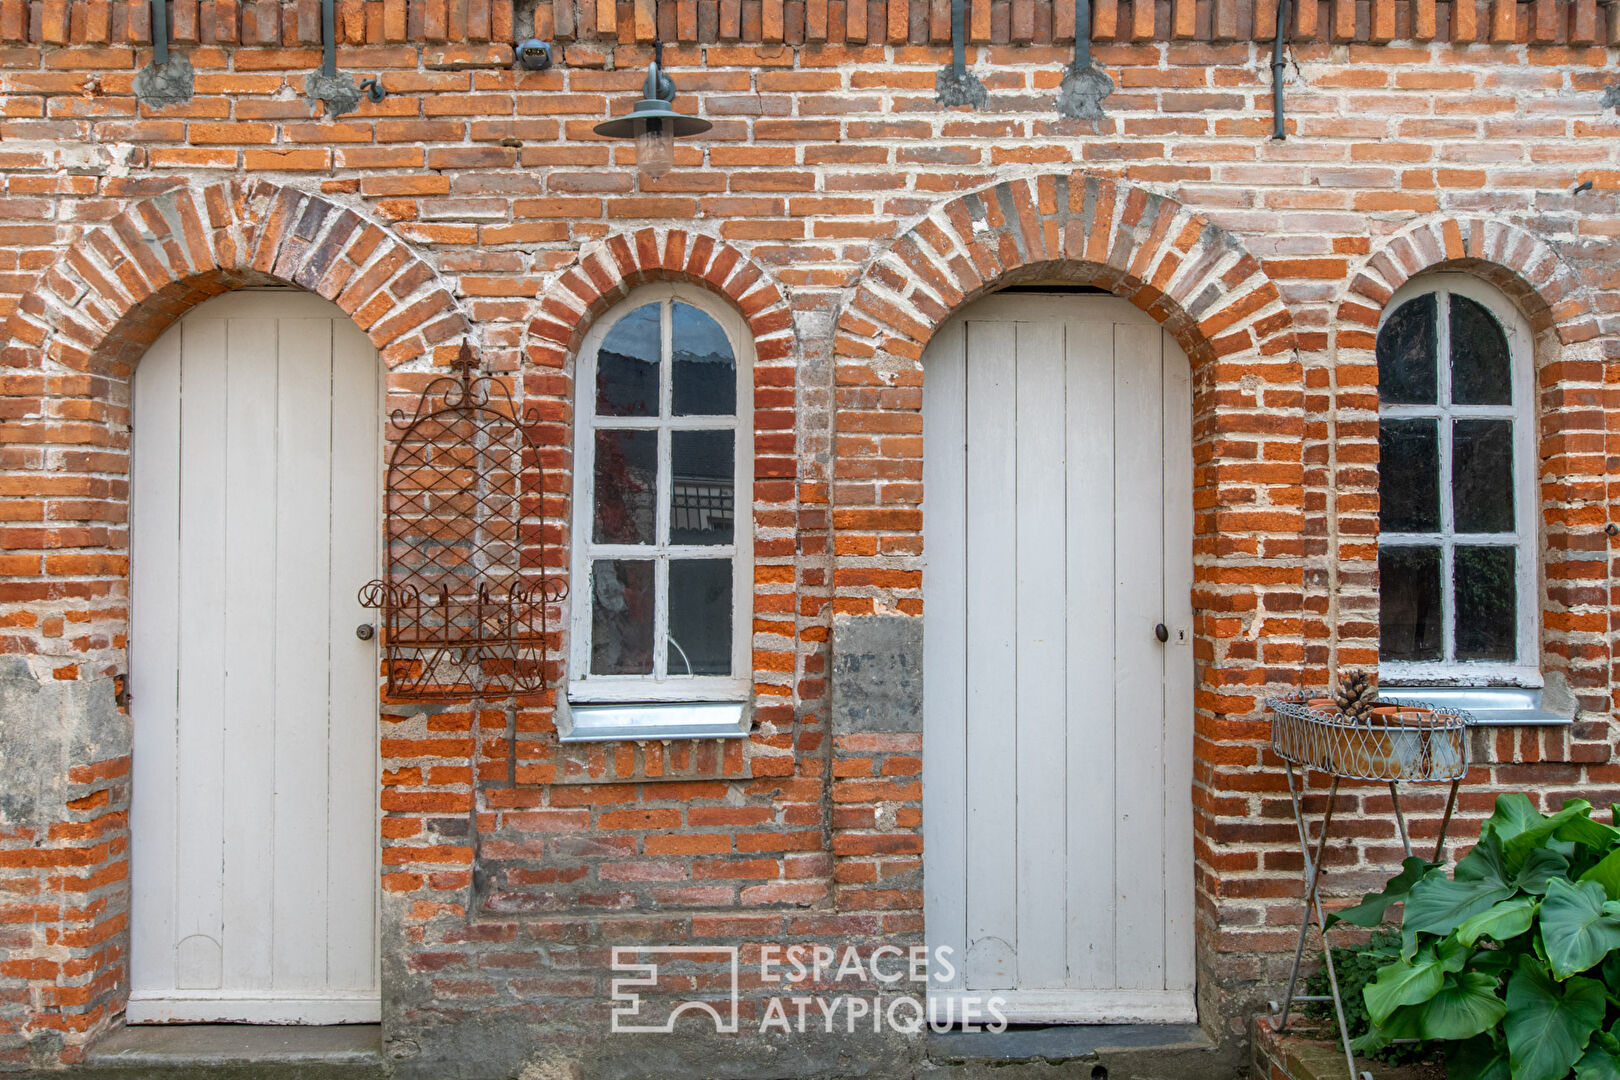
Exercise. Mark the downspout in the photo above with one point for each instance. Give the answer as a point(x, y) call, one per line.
point(329, 38)
point(1278, 66)
point(160, 32)
point(1082, 34)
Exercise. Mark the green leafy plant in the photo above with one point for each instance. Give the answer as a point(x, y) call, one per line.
point(1357, 966)
point(1511, 960)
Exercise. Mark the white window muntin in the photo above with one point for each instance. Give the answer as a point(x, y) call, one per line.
point(1526, 671)
point(661, 686)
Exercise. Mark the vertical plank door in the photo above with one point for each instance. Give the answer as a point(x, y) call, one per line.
point(253, 522)
point(1057, 727)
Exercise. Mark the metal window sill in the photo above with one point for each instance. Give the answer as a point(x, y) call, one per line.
point(1491, 706)
point(647, 720)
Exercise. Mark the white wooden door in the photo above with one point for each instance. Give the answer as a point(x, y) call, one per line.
point(254, 521)
point(1057, 782)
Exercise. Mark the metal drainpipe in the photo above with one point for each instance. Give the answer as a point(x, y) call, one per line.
point(1278, 65)
point(329, 38)
point(1082, 34)
point(959, 37)
point(160, 32)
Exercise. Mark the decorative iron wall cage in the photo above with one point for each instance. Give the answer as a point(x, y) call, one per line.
point(464, 601)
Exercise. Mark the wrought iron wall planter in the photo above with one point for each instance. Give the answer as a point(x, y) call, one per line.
point(464, 603)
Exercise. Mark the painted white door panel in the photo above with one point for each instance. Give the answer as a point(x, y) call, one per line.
point(254, 521)
point(1058, 729)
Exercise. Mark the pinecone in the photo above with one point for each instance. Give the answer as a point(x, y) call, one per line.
point(1356, 695)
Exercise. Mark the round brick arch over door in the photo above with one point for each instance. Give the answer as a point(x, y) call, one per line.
point(1215, 298)
point(123, 282)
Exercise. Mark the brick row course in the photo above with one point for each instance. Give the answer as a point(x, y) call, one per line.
point(798, 22)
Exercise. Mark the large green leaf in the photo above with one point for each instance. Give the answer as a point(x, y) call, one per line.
point(1401, 983)
point(1401, 1024)
point(1370, 912)
point(1593, 834)
point(1540, 866)
point(1548, 1026)
point(1465, 1006)
point(1607, 874)
point(1514, 814)
point(1480, 1058)
point(1575, 929)
point(1597, 1064)
point(1522, 828)
point(1508, 919)
point(1438, 905)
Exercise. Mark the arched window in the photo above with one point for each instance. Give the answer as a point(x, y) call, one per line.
point(1457, 550)
point(662, 525)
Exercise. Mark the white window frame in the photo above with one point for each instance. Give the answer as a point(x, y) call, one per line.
point(1526, 671)
point(584, 687)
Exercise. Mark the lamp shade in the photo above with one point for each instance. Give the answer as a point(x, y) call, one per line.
point(656, 111)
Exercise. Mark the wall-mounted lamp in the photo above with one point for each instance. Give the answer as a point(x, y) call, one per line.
point(652, 123)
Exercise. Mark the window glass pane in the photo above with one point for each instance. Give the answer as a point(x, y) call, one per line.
point(699, 617)
point(621, 617)
point(1480, 372)
point(1406, 354)
point(1409, 623)
point(1486, 603)
point(627, 366)
point(705, 372)
point(701, 507)
point(626, 486)
point(1408, 475)
point(1482, 475)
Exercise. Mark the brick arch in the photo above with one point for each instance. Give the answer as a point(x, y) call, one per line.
point(1193, 276)
point(1527, 269)
point(123, 282)
point(1570, 363)
point(606, 271)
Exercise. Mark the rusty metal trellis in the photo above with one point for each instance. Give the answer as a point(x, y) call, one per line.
point(464, 601)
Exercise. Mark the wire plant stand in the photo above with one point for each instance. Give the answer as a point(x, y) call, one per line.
point(1399, 742)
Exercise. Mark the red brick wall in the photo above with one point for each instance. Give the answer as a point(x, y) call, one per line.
point(846, 216)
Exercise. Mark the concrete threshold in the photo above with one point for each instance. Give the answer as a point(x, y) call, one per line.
point(243, 1051)
point(1063, 1042)
point(1080, 1051)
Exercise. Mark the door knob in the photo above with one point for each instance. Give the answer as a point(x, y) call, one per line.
point(1162, 632)
point(365, 631)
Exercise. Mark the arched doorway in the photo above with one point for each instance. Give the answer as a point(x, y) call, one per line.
point(1058, 668)
point(254, 521)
